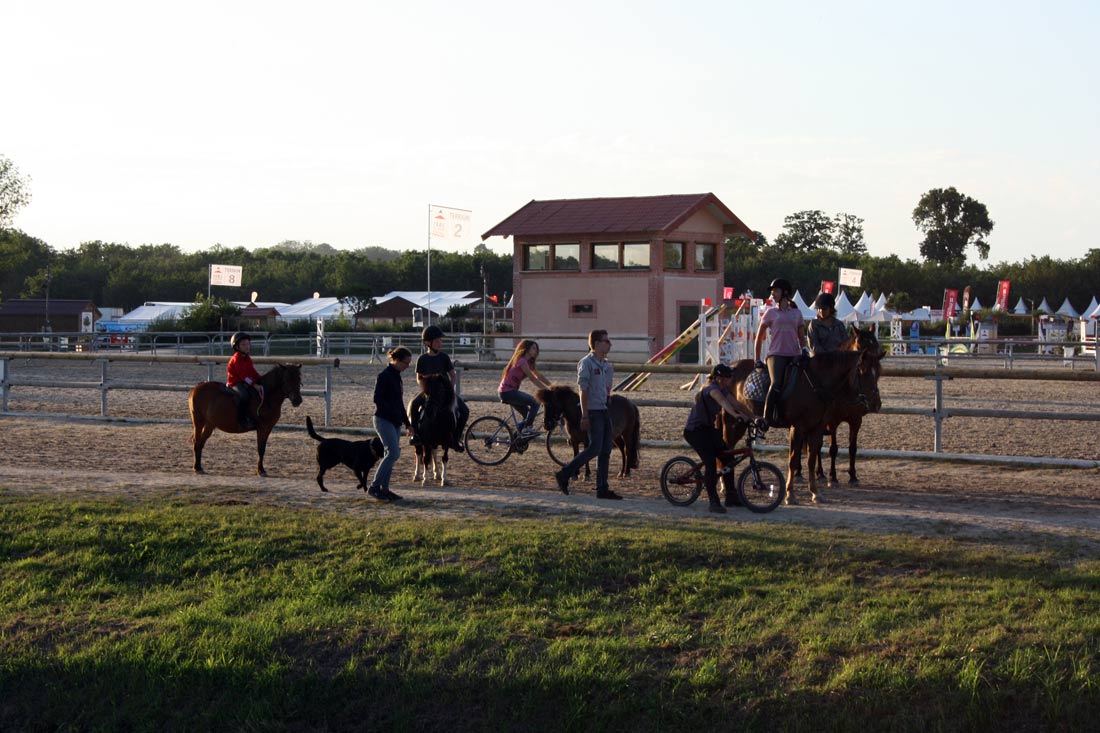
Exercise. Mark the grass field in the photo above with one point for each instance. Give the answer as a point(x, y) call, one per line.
point(125, 615)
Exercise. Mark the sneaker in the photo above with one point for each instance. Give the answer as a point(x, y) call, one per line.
point(529, 432)
point(376, 492)
point(563, 482)
point(716, 508)
point(607, 494)
point(390, 496)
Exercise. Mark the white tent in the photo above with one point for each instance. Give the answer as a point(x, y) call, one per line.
point(1090, 308)
point(843, 305)
point(442, 300)
point(148, 312)
point(1094, 313)
point(864, 306)
point(1068, 310)
point(1044, 307)
point(975, 305)
point(808, 312)
point(917, 314)
point(880, 304)
point(1020, 309)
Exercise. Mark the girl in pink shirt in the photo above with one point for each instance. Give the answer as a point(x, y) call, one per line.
point(521, 366)
point(788, 341)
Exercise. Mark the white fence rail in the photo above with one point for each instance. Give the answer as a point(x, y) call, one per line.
point(939, 411)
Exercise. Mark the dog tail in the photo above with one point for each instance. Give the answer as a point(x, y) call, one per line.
point(312, 433)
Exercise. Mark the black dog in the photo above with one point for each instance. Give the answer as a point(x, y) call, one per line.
point(359, 455)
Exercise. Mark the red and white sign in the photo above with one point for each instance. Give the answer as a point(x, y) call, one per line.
point(727, 293)
point(449, 226)
point(850, 278)
point(225, 275)
point(1002, 295)
point(950, 300)
point(828, 286)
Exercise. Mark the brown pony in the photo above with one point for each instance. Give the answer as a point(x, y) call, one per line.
point(822, 382)
point(212, 407)
point(563, 401)
point(867, 400)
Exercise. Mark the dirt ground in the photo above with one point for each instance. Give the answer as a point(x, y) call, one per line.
point(1027, 506)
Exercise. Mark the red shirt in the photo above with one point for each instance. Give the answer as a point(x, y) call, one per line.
point(240, 369)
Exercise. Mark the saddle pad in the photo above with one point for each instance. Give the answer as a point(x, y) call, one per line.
point(757, 384)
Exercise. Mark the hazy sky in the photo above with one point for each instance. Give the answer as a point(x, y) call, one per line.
point(248, 123)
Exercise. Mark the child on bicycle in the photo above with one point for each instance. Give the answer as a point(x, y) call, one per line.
point(520, 366)
point(700, 431)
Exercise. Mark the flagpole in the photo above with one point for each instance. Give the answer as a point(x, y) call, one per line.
point(428, 316)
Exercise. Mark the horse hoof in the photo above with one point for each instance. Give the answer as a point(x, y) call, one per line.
point(199, 470)
point(790, 500)
point(853, 482)
point(817, 498)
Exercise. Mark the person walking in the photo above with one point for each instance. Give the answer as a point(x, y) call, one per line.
point(523, 365)
point(595, 376)
point(826, 332)
point(788, 341)
point(389, 417)
point(702, 433)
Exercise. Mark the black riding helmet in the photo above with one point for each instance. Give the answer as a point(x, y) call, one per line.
point(825, 300)
point(721, 370)
point(431, 333)
point(237, 338)
point(783, 285)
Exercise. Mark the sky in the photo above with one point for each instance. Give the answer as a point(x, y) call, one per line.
point(247, 123)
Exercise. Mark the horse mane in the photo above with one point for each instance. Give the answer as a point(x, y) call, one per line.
point(274, 377)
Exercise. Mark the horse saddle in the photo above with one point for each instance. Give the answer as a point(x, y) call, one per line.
point(759, 382)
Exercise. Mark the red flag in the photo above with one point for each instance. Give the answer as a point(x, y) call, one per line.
point(706, 302)
point(494, 298)
point(827, 286)
point(950, 299)
point(1002, 295)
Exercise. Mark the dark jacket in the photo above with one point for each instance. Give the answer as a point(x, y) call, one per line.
point(389, 399)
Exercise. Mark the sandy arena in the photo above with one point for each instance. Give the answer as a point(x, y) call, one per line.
point(1031, 507)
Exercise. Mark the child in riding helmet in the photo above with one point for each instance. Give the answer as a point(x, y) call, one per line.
point(826, 332)
point(242, 378)
point(437, 365)
point(701, 433)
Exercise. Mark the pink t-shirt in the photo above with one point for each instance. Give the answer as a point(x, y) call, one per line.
point(514, 376)
point(783, 328)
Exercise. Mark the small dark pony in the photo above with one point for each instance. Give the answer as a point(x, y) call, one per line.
point(867, 400)
point(213, 406)
point(563, 401)
point(436, 430)
point(825, 379)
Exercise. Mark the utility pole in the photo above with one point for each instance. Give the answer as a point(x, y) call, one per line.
point(48, 328)
point(484, 302)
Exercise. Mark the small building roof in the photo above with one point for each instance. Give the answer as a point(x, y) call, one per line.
point(312, 308)
point(37, 306)
point(152, 311)
point(633, 214)
point(441, 301)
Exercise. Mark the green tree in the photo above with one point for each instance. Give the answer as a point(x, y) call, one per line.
point(951, 221)
point(806, 231)
point(848, 235)
point(210, 314)
point(14, 192)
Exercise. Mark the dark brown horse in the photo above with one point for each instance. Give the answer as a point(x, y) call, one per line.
point(213, 407)
point(563, 401)
point(867, 400)
point(436, 429)
point(822, 382)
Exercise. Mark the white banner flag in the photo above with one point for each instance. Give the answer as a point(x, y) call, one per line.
point(225, 275)
point(850, 278)
point(449, 226)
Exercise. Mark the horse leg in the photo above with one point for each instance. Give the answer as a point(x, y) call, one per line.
point(625, 470)
point(443, 467)
point(794, 457)
point(261, 448)
point(419, 471)
point(202, 433)
point(853, 433)
point(832, 460)
point(815, 440)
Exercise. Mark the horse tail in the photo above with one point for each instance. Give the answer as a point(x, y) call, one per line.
point(635, 441)
point(309, 427)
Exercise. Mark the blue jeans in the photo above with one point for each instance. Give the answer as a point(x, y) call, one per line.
point(527, 405)
point(599, 441)
point(387, 432)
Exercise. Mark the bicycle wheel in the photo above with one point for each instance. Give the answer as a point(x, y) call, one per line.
point(681, 481)
point(489, 441)
point(760, 487)
point(557, 445)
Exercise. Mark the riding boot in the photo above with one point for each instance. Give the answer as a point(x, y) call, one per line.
point(773, 407)
point(244, 417)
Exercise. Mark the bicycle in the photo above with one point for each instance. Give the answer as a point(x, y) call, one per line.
point(760, 486)
point(489, 440)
